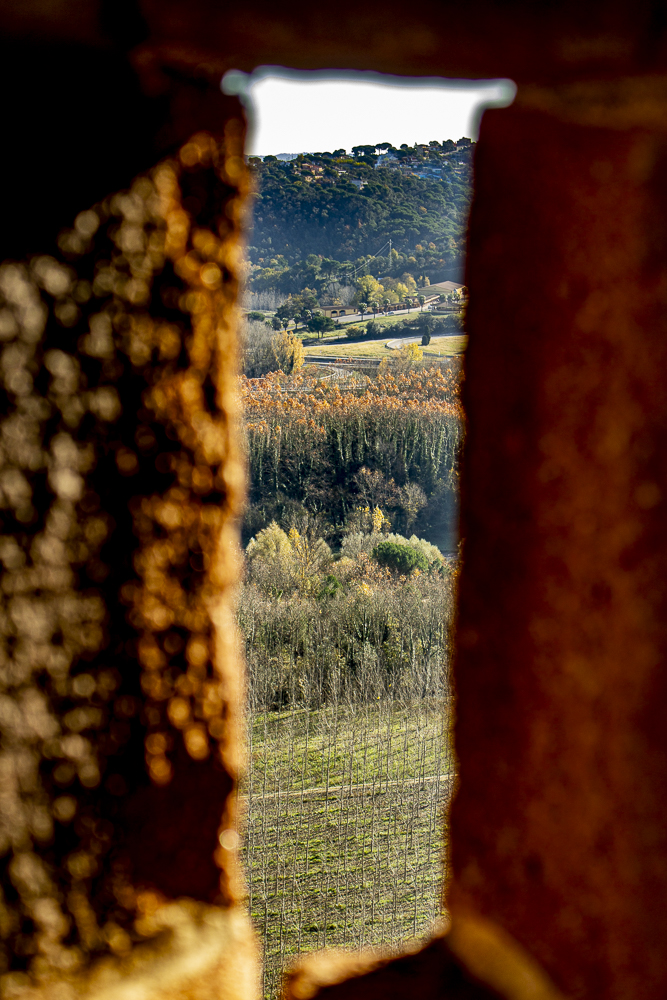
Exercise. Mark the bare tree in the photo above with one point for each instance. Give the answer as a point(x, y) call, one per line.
point(413, 499)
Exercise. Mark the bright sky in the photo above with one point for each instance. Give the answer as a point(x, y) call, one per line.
point(309, 112)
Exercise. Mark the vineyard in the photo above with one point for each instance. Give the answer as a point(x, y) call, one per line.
point(348, 777)
point(344, 815)
point(346, 625)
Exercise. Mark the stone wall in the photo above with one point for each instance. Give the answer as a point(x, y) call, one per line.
point(121, 484)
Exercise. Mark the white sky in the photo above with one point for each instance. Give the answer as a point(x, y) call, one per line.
point(308, 112)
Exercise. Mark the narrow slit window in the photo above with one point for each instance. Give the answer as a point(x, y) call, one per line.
point(352, 342)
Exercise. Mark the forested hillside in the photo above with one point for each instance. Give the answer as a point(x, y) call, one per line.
point(319, 217)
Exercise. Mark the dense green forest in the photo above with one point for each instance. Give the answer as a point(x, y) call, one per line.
point(317, 219)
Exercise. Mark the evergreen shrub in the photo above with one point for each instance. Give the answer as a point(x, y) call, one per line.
point(401, 558)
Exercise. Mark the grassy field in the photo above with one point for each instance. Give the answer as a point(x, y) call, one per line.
point(443, 346)
point(344, 818)
point(347, 349)
point(449, 346)
point(384, 321)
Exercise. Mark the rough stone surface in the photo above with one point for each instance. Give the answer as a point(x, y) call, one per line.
point(429, 973)
point(519, 39)
point(559, 828)
point(120, 484)
point(471, 959)
point(192, 952)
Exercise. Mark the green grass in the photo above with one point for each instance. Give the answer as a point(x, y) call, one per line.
point(343, 843)
point(441, 346)
point(445, 346)
point(347, 349)
point(386, 322)
point(383, 321)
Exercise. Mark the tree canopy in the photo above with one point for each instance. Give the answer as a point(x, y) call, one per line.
point(318, 219)
point(401, 558)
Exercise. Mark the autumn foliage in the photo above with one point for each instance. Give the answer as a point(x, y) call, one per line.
point(311, 441)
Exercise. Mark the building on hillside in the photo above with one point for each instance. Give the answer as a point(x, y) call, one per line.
point(335, 311)
point(386, 160)
point(444, 288)
point(429, 173)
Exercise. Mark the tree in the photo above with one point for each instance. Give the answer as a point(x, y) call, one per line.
point(369, 289)
point(408, 280)
point(363, 308)
point(374, 487)
point(319, 324)
point(401, 559)
point(311, 556)
point(413, 499)
point(270, 543)
point(421, 300)
point(367, 152)
point(330, 586)
point(285, 313)
point(374, 306)
point(303, 306)
point(271, 560)
point(426, 324)
point(288, 352)
point(256, 352)
point(331, 270)
point(408, 354)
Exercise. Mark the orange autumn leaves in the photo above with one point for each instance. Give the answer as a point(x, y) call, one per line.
point(304, 397)
point(307, 438)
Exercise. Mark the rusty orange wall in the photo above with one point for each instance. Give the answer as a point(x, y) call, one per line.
point(559, 828)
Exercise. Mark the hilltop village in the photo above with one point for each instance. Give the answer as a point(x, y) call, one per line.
point(375, 210)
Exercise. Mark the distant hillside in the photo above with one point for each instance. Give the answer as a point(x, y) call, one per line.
point(343, 209)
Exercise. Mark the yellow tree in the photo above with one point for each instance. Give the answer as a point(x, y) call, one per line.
point(410, 353)
point(311, 557)
point(271, 559)
point(288, 352)
point(369, 289)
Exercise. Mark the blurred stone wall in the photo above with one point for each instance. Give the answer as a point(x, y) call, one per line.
point(120, 485)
